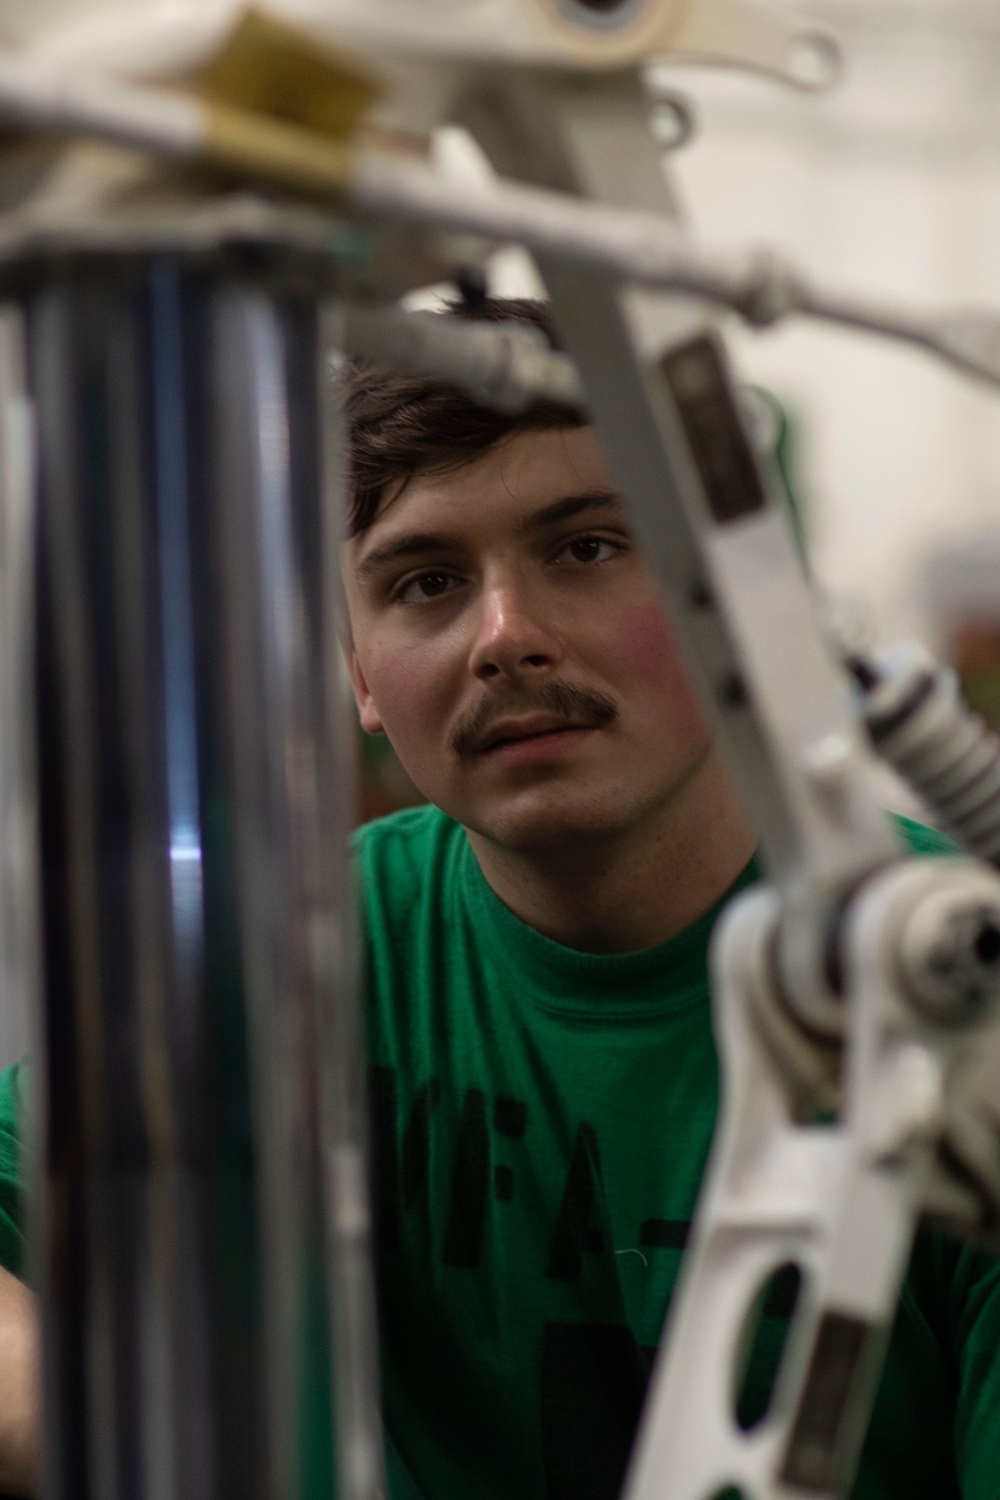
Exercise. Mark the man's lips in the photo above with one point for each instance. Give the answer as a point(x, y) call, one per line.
point(538, 730)
point(557, 713)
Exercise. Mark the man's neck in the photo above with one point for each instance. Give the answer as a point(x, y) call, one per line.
point(635, 889)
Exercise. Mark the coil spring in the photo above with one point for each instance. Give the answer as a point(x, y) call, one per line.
point(919, 723)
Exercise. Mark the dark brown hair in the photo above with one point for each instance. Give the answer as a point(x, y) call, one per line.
point(400, 425)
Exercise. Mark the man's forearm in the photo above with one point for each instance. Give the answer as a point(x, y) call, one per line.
point(20, 1387)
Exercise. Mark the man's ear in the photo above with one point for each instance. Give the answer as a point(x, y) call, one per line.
point(367, 712)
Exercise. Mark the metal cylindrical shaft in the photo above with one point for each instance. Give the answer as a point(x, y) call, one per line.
point(195, 910)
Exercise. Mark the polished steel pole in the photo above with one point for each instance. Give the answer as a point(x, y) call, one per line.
point(204, 1200)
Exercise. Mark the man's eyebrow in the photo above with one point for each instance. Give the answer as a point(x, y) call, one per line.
point(572, 505)
point(411, 544)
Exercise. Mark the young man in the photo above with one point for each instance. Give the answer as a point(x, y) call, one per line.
point(543, 1072)
point(544, 1076)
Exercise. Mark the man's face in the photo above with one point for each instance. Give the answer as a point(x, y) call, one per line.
point(509, 640)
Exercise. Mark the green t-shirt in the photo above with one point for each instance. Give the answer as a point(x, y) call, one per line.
point(541, 1119)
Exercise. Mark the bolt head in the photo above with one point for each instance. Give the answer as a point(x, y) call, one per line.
point(950, 956)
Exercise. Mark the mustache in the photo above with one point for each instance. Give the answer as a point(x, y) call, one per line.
point(581, 707)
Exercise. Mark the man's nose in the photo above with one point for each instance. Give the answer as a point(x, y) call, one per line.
point(514, 635)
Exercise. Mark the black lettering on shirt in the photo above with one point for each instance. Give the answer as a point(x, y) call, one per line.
point(470, 1185)
point(577, 1229)
point(592, 1389)
point(417, 1141)
point(510, 1116)
point(398, 1174)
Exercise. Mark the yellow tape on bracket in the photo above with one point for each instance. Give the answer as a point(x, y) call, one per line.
point(272, 69)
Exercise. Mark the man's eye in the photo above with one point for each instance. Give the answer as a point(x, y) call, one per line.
point(426, 586)
point(588, 549)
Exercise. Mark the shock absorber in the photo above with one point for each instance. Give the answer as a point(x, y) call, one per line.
point(919, 723)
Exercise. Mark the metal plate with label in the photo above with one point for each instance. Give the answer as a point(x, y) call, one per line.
point(817, 1458)
point(724, 458)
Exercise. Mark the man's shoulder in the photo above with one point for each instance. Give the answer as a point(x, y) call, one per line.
point(407, 839)
point(402, 858)
point(412, 875)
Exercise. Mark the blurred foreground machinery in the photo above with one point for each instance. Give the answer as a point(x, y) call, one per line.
point(200, 204)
